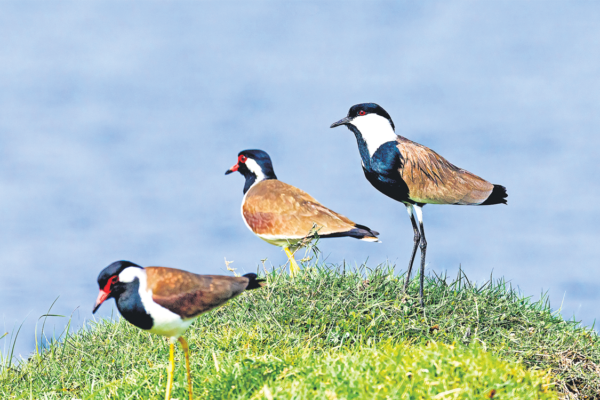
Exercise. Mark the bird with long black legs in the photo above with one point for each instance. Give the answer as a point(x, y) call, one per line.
point(284, 215)
point(165, 301)
point(412, 173)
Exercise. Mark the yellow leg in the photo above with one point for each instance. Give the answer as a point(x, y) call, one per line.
point(170, 369)
point(186, 351)
point(294, 268)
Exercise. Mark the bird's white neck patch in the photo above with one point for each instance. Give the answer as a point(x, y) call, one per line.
point(256, 170)
point(130, 273)
point(375, 130)
point(164, 322)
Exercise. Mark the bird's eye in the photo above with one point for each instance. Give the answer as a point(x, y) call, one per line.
point(362, 112)
point(243, 158)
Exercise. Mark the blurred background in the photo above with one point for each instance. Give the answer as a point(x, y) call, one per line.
point(119, 119)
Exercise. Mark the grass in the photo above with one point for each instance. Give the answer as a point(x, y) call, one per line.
point(333, 334)
point(382, 371)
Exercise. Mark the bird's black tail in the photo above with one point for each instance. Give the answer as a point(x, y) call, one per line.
point(365, 233)
point(498, 196)
point(359, 232)
point(253, 282)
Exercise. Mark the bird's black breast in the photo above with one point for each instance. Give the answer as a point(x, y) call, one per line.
point(383, 171)
point(131, 307)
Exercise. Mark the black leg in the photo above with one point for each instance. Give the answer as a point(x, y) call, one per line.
point(417, 239)
point(423, 246)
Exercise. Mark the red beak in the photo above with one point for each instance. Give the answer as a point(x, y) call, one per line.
point(232, 169)
point(101, 297)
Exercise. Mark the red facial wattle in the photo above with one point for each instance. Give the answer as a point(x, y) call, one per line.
point(105, 292)
point(241, 160)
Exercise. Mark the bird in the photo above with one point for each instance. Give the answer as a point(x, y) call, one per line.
point(284, 215)
point(165, 301)
point(412, 174)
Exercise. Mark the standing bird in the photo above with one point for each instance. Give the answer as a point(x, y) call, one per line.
point(413, 174)
point(284, 215)
point(166, 301)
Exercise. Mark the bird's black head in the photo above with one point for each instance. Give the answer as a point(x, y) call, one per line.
point(358, 111)
point(255, 165)
point(108, 281)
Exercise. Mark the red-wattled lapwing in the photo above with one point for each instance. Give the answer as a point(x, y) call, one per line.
point(413, 174)
point(284, 215)
point(166, 301)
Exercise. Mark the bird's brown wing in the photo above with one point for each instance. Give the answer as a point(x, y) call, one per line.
point(432, 179)
point(189, 294)
point(272, 207)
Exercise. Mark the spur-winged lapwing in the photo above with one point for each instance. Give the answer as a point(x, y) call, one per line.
point(413, 174)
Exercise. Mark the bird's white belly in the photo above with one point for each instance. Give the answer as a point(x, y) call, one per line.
point(171, 328)
point(280, 241)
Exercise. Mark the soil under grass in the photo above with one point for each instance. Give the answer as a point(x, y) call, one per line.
point(334, 334)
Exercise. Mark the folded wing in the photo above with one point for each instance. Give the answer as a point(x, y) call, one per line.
point(275, 208)
point(432, 179)
point(189, 294)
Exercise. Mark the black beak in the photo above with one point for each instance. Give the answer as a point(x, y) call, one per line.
point(342, 121)
point(228, 172)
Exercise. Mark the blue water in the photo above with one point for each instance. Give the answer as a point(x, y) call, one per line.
point(119, 119)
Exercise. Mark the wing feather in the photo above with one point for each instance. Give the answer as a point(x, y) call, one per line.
point(273, 207)
point(189, 294)
point(432, 179)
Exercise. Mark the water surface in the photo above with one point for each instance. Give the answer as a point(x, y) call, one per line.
point(118, 121)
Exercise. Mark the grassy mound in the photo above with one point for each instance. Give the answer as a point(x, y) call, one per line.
point(329, 334)
point(380, 372)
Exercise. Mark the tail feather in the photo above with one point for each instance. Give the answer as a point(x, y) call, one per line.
point(359, 232)
point(253, 282)
point(367, 233)
point(498, 196)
